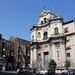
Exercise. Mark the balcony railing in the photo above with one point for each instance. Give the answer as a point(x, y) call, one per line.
point(57, 35)
point(57, 38)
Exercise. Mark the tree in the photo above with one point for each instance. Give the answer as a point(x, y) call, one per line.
point(67, 64)
point(52, 65)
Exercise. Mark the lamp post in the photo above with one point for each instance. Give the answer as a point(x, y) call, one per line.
point(3, 54)
point(18, 64)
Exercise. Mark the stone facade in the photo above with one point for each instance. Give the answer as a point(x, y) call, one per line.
point(52, 38)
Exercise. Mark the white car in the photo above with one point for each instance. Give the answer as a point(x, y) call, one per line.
point(64, 71)
point(43, 71)
point(58, 71)
point(61, 71)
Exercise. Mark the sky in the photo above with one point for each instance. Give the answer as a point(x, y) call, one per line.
point(18, 16)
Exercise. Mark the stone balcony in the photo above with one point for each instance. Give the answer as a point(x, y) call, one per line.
point(57, 38)
point(56, 35)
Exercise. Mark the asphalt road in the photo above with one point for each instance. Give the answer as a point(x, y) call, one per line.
point(19, 73)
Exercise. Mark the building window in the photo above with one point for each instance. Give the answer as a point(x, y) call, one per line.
point(57, 53)
point(57, 45)
point(68, 54)
point(33, 38)
point(66, 30)
point(68, 46)
point(41, 22)
point(39, 35)
point(45, 35)
point(56, 31)
point(45, 20)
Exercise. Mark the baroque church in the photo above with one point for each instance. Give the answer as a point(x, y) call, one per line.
point(52, 38)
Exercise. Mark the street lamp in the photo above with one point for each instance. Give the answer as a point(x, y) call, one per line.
point(4, 54)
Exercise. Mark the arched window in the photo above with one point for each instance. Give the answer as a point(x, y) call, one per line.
point(41, 22)
point(56, 30)
point(45, 35)
point(45, 20)
point(39, 35)
point(33, 38)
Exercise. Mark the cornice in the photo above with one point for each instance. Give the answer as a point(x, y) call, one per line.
point(49, 40)
point(64, 23)
point(70, 34)
point(47, 24)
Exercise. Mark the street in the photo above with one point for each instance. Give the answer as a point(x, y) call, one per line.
point(28, 73)
point(17, 73)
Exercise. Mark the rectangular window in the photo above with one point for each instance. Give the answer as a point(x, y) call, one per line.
point(68, 54)
point(58, 53)
point(68, 46)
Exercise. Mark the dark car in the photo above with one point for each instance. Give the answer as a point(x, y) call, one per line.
point(71, 72)
point(51, 72)
point(26, 71)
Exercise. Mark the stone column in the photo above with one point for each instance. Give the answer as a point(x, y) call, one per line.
point(42, 60)
point(50, 52)
point(54, 52)
point(35, 57)
point(30, 58)
point(62, 53)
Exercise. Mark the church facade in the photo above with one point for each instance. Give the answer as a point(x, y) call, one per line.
point(52, 38)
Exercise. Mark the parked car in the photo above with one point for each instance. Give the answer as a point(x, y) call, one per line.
point(25, 70)
point(43, 71)
point(38, 71)
point(58, 71)
point(62, 72)
point(51, 72)
point(71, 71)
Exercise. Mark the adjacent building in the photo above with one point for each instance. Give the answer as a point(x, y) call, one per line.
point(19, 53)
point(14, 53)
point(52, 38)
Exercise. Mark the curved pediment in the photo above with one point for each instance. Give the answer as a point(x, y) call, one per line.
point(46, 12)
